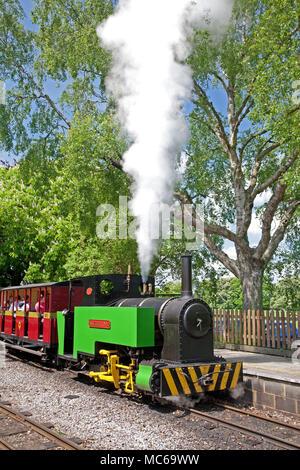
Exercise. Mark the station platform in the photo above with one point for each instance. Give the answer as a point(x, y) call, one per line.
point(270, 382)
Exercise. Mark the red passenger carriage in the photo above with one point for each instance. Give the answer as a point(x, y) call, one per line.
point(28, 314)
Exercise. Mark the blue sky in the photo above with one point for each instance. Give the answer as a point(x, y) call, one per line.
point(27, 5)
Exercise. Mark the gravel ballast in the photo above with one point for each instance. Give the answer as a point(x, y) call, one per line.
point(105, 420)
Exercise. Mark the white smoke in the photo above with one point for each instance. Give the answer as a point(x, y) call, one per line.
point(185, 401)
point(148, 39)
point(237, 392)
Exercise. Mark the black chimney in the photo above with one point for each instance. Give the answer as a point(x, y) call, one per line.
point(186, 276)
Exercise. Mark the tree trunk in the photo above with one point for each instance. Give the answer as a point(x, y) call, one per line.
point(251, 279)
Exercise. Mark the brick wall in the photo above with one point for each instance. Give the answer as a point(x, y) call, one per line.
point(270, 394)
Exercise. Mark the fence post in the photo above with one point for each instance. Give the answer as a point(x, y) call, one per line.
point(268, 328)
point(224, 325)
point(258, 325)
point(253, 328)
point(215, 313)
point(278, 329)
point(273, 329)
point(288, 330)
point(294, 325)
point(249, 327)
point(245, 327)
point(283, 329)
point(241, 326)
point(231, 314)
point(228, 326)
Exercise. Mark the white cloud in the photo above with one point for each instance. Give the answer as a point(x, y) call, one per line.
point(255, 226)
point(263, 197)
point(230, 251)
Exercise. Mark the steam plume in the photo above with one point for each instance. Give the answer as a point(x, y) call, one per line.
point(148, 39)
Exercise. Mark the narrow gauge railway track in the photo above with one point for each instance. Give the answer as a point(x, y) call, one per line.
point(263, 418)
point(10, 354)
point(280, 442)
point(19, 425)
point(252, 429)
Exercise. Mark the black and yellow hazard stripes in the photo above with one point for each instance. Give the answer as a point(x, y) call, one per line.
point(188, 380)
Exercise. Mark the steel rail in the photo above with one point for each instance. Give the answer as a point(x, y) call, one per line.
point(40, 429)
point(5, 446)
point(232, 425)
point(263, 418)
point(37, 365)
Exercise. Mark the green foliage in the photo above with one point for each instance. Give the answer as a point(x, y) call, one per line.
point(87, 178)
point(27, 121)
point(221, 293)
point(43, 236)
point(286, 294)
point(171, 287)
point(34, 236)
point(68, 142)
point(65, 51)
point(93, 256)
point(227, 292)
point(68, 27)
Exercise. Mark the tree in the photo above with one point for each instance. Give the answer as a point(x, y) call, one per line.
point(70, 148)
point(45, 238)
point(65, 52)
point(34, 236)
point(252, 149)
point(235, 156)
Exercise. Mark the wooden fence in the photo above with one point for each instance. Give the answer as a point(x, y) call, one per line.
point(266, 329)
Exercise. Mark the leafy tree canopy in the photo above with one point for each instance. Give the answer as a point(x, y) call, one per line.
point(72, 148)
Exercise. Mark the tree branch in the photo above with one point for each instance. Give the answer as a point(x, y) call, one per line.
point(276, 176)
point(220, 79)
point(211, 229)
point(116, 163)
point(221, 256)
point(231, 113)
point(268, 218)
point(215, 118)
point(42, 94)
point(240, 120)
point(258, 161)
point(246, 99)
point(252, 137)
point(280, 231)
